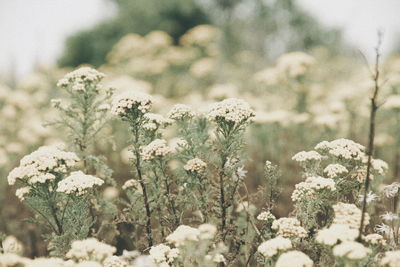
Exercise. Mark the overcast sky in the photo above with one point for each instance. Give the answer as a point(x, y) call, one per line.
point(34, 30)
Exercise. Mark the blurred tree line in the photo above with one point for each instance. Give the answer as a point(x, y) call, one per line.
point(269, 27)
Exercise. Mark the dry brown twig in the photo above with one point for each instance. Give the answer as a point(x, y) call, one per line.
point(374, 108)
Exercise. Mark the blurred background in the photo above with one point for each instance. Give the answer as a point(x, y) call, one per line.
point(297, 62)
point(73, 32)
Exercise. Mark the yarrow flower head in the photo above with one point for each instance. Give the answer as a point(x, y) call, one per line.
point(195, 165)
point(306, 156)
point(12, 245)
point(391, 259)
point(375, 239)
point(342, 149)
point(114, 261)
point(42, 165)
point(334, 233)
point(379, 166)
point(163, 255)
point(266, 216)
point(289, 227)
point(311, 187)
point(134, 103)
point(132, 183)
point(335, 170)
point(22, 192)
point(90, 250)
point(183, 234)
point(78, 183)
point(207, 231)
point(180, 111)
point(231, 110)
point(154, 121)
point(294, 258)
point(349, 214)
point(273, 246)
point(156, 149)
point(294, 64)
point(351, 250)
point(81, 79)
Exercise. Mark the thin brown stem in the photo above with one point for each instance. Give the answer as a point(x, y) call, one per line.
point(371, 137)
point(144, 189)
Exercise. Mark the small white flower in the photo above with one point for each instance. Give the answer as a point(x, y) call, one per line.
point(180, 111)
point(383, 228)
point(389, 216)
point(231, 110)
point(266, 216)
point(391, 190)
point(78, 183)
point(369, 198)
point(157, 148)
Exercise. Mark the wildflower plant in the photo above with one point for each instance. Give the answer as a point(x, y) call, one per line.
point(58, 198)
point(84, 115)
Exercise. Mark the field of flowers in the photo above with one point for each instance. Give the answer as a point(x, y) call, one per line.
point(172, 155)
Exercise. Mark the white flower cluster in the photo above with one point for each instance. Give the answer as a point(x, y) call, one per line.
point(335, 233)
point(334, 170)
point(231, 110)
point(157, 148)
point(343, 149)
point(78, 183)
point(348, 214)
point(162, 255)
point(200, 35)
point(311, 186)
point(153, 121)
point(307, 156)
point(266, 216)
point(268, 76)
point(375, 239)
point(114, 261)
point(132, 183)
point(203, 67)
point(294, 64)
point(183, 234)
point(135, 102)
point(391, 259)
point(391, 190)
point(90, 250)
point(273, 246)
point(379, 166)
point(12, 245)
point(351, 250)
point(22, 192)
point(81, 77)
point(294, 258)
point(11, 260)
point(180, 111)
point(360, 174)
point(42, 165)
point(195, 165)
point(207, 231)
point(289, 227)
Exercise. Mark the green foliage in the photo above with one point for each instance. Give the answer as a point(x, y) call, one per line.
point(139, 16)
